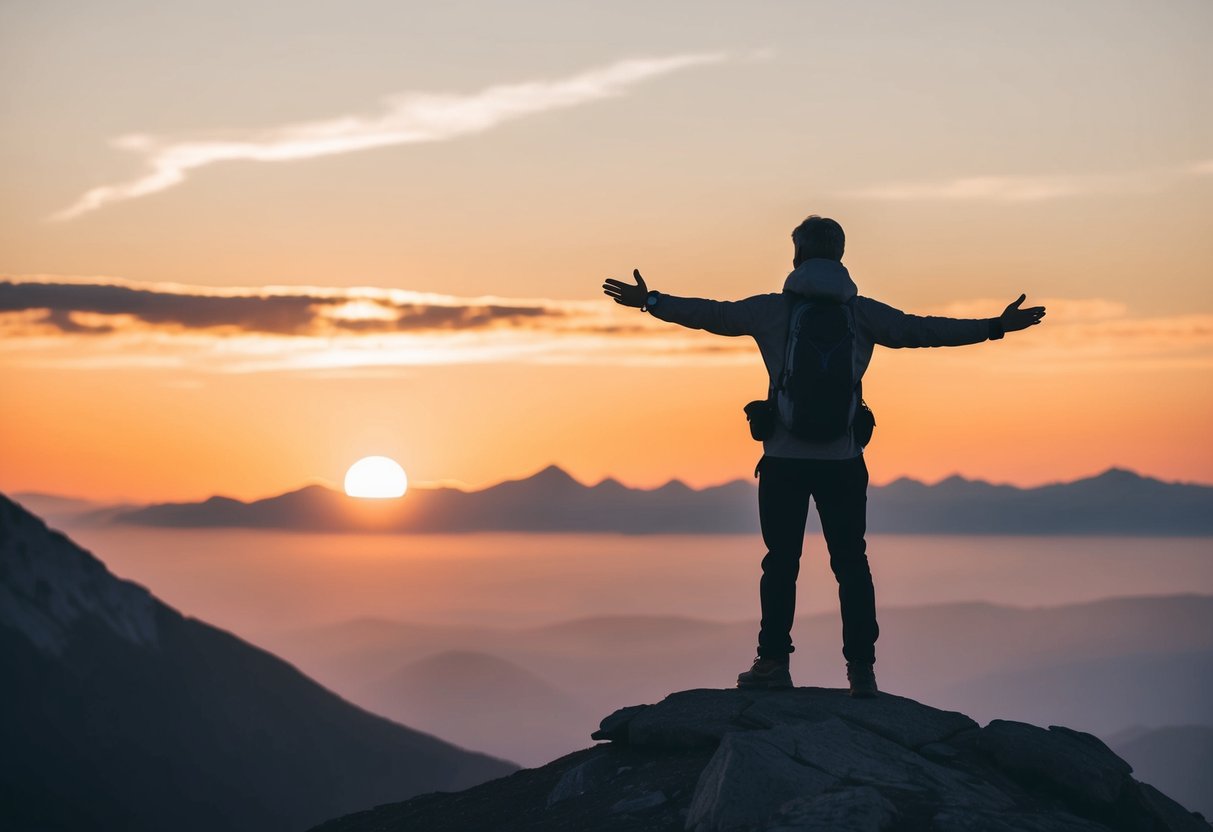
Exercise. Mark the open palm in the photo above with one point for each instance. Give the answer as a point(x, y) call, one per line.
point(1014, 318)
point(627, 293)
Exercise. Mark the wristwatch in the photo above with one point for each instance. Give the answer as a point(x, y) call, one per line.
point(650, 301)
point(996, 330)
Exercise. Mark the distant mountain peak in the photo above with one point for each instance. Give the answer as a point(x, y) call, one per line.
point(1115, 474)
point(956, 479)
point(553, 472)
point(553, 475)
point(220, 500)
point(321, 488)
point(905, 482)
point(313, 489)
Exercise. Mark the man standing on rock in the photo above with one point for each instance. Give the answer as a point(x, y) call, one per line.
point(816, 339)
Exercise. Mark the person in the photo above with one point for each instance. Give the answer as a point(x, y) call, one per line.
point(832, 472)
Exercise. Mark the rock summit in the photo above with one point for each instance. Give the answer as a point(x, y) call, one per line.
point(805, 759)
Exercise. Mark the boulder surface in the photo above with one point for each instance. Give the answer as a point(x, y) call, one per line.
point(799, 760)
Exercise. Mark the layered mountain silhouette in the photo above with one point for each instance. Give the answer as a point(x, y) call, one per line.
point(1101, 667)
point(805, 759)
point(1115, 502)
point(481, 701)
point(1102, 694)
point(117, 712)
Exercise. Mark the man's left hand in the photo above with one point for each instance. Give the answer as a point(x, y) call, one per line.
point(625, 293)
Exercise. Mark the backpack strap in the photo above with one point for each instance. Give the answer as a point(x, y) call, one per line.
point(795, 303)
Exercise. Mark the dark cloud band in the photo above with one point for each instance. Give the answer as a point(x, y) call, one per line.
point(274, 314)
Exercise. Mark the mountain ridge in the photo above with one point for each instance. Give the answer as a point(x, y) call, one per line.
point(1116, 501)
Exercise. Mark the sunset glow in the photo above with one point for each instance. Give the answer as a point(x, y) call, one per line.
point(405, 251)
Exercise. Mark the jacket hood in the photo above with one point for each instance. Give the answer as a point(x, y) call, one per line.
point(821, 278)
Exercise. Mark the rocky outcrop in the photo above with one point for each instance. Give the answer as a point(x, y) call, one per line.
point(806, 759)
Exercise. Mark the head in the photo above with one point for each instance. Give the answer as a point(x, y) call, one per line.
point(818, 237)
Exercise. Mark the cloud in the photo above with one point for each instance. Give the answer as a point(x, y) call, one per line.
point(117, 306)
point(83, 323)
point(1028, 187)
point(62, 320)
point(1090, 335)
point(1069, 310)
point(407, 118)
point(989, 188)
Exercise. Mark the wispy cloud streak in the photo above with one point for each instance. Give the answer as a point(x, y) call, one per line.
point(1029, 187)
point(408, 118)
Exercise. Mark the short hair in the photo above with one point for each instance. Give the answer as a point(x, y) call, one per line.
point(818, 237)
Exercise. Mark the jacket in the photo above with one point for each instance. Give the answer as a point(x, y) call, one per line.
point(765, 319)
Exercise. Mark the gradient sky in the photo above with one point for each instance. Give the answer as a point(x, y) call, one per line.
point(244, 244)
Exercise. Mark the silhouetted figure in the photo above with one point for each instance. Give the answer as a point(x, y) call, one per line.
point(812, 447)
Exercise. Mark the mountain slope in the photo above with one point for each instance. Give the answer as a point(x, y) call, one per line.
point(1115, 502)
point(117, 712)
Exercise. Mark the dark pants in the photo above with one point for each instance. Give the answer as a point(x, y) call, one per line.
point(840, 489)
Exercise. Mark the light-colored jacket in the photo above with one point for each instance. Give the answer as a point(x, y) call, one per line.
point(765, 318)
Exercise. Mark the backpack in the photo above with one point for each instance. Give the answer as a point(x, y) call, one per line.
point(817, 395)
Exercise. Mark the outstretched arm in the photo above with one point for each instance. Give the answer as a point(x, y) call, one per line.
point(720, 317)
point(891, 327)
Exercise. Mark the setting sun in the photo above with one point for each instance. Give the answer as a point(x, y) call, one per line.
point(376, 476)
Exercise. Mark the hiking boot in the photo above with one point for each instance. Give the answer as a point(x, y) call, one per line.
point(766, 673)
point(863, 680)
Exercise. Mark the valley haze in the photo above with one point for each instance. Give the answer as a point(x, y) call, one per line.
point(64, 617)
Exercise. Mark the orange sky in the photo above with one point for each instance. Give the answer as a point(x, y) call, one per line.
point(1067, 399)
point(483, 192)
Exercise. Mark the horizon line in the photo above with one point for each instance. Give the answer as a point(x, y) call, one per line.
point(455, 485)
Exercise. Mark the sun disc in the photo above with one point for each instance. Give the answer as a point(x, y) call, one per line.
point(377, 477)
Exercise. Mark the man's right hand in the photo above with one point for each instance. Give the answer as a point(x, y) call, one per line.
point(625, 293)
point(1014, 319)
